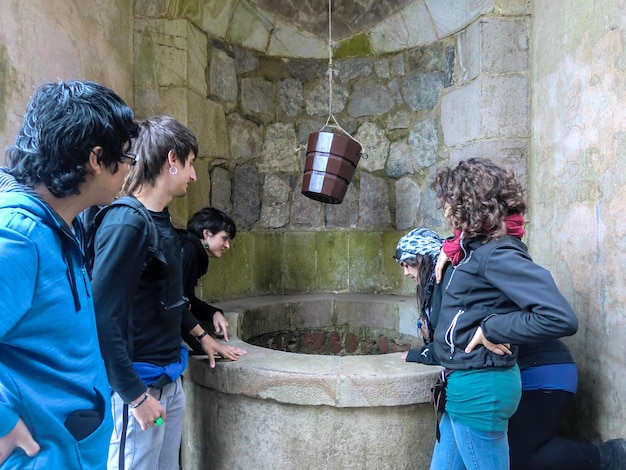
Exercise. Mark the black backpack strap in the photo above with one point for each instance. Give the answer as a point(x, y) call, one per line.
point(153, 235)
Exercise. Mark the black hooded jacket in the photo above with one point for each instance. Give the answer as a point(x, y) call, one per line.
point(498, 287)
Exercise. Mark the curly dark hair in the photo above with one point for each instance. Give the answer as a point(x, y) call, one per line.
point(63, 122)
point(477, 195)
point(213, 220)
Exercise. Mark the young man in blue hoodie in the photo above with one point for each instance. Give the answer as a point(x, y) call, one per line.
point(71, 153)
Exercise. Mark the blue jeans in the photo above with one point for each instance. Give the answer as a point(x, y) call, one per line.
point(463, 448)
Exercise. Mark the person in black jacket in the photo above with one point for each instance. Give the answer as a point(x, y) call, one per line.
point(495, 297)
point(140, 306)
point(548, 372)
point(208, 235)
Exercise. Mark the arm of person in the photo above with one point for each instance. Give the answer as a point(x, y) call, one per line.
point(20, 437)
point(423, 355)
point(120, 252)
point(200, 309)
point(16, 291)
point(219, 322)
point(543, 313)
point(212, 347)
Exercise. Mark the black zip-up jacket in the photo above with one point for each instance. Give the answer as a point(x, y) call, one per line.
point(498, 287)
point(139, 311)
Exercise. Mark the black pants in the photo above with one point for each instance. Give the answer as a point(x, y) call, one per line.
point(533, 435)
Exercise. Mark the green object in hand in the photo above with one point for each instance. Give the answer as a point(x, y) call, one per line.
point(158, 421)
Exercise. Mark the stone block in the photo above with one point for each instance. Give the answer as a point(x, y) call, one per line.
point(245, 137)
point(305, 212)
point(281, 151)
point(504, 45)
point(369, 98)
point(215, 16)
point(394, 34)
point(364, 262)
point(461, 114)
point(300, 263)
point(373, 202)
point(221, 188)
point(257, 99)
point(197, 58)
point(449, 16)
point(223, 77)
point(346, 214)
point(408, 197)
point(287, 40)
point(267, 262)
point(246, 196)
point(250, 27)
point(198, 192)
point(505, 106)
point(333, 270)
point(275, 202)
point(290, 99)
point(375, 145)
point(161, 52)
point(421, 91)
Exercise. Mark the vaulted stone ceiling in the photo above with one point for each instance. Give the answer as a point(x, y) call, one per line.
point(348, 16)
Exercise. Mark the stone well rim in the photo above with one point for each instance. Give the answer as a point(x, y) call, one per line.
point(305, 379)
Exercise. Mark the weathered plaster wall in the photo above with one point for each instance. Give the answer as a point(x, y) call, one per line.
point(577, 168)
point(61, 39)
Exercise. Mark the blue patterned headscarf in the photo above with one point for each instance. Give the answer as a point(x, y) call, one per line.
point(419, 241)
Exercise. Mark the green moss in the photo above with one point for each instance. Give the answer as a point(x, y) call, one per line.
point(355, 46)
point(392, 272)
point(332, 262)
point(268, 263)
point(365, 262)
point(231, 275)
point(299, 269)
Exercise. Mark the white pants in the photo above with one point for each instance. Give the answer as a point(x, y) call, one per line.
point(156, 448)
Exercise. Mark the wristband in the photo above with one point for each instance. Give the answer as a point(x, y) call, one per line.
point(140, 402)
point(199, 338)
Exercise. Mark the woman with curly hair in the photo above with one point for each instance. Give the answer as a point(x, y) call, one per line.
point(495, 296)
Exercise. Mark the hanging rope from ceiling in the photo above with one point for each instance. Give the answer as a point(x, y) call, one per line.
point(330, 73)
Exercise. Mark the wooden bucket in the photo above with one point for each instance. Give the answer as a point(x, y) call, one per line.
point(329, 166)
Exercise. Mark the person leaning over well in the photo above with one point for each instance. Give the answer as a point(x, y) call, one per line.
point(208, 235)
point(548, 370)
point(496, 296)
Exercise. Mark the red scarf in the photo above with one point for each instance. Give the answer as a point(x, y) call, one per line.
point(452, 247)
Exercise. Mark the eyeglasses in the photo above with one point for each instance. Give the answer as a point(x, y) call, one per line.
point(132, 158)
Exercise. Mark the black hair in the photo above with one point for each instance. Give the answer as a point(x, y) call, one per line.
point(157, 136)
point(62, 124)
point(425, 273)
point(213, 220)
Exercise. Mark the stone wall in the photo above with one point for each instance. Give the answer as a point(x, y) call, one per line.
point(254, 110)
point(577, 169)
point(61, 39)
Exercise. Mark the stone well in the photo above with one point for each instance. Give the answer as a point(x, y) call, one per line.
point(277, 409)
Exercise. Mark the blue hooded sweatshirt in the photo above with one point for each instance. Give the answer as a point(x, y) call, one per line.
point(51, 371)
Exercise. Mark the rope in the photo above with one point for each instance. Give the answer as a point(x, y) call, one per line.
point(330, 74)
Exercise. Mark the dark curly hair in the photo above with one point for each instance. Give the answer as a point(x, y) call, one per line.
point(477, 195)
point(214, 220)
point(62, 124)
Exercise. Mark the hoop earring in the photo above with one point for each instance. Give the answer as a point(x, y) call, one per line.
point(173, 170)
